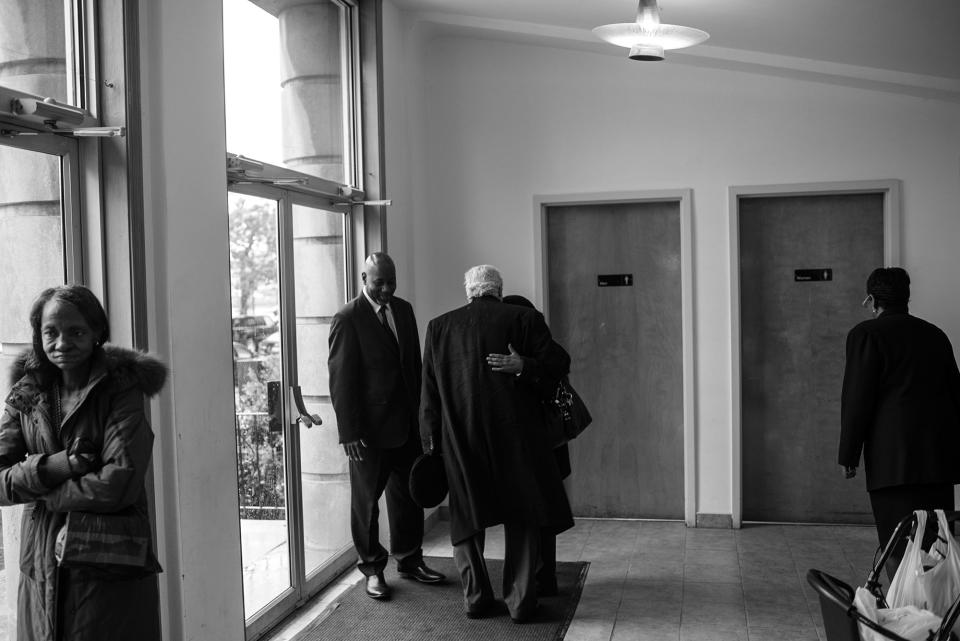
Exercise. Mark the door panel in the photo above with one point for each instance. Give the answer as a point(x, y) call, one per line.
point(261, 442)
point(318, 260)
point(288, 259)
point(625, 343)
point(792, 350)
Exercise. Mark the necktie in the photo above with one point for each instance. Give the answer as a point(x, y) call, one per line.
point(382, 314)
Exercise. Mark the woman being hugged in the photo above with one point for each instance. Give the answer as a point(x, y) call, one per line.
point(74, 438)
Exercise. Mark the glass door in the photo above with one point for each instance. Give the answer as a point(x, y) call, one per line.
point(288, 272)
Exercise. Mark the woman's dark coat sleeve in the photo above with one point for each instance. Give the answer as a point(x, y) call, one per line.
point(127, 446)
point(858, 405)
point(19, 473)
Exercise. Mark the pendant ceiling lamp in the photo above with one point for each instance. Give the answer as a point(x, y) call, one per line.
point(647, 38)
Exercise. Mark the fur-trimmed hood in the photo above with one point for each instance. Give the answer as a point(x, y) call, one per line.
point(125, 368)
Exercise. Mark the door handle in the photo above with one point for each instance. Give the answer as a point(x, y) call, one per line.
point(274, 409)
point(304, 417)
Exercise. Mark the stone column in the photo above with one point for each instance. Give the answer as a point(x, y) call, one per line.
point(312, 115)
point(311, 98)
point(31, 250)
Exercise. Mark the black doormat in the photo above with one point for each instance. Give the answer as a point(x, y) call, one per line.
point(435, 612)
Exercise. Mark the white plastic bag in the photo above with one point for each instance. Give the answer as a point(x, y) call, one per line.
point(909, 621)
point(930, 581)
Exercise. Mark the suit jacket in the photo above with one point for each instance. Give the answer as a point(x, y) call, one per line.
point(901, 402)
point(487, 425)
point(375, 383)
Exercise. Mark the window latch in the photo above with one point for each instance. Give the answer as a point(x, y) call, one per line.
point(365, 203)
point(79, 132)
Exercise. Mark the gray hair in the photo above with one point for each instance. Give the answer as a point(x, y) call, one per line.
point(483, 280)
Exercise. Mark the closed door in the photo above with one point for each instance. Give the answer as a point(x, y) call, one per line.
point(614, 292)
point(792, 350)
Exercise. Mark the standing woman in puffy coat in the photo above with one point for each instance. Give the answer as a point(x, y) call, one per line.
point(74, 437)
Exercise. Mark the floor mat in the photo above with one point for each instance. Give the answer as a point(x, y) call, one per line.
point(435, 612)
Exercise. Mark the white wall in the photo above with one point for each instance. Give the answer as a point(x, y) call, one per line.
point(400, 129)
point(187, 270)
point(495, 123)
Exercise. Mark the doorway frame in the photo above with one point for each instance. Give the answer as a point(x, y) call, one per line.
point(306, 583)
point(892, 204)
point(684, 198)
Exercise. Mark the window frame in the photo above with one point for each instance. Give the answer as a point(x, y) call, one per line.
point(68, 152)
point(103, 228)
point(361, 103)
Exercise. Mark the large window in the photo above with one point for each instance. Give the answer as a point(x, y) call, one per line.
point(293, 136)
point(291, 85)
point(39, 38)
point(53, 210)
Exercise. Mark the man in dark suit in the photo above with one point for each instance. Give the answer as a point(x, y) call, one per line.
point(900, 407)
point(375, 370)
point(487, 426)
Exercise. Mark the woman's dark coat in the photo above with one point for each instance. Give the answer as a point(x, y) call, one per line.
point(901, 403)
point(111, 413)
point(487, 425)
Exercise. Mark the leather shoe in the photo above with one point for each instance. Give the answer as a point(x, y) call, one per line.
point(481, 609)
point(525, 616)
point(421, 573)
point(377, 587)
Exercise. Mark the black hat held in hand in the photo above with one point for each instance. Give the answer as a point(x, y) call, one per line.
point(428, 480)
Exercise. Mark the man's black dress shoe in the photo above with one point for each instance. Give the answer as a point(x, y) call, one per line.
point(377, 587)
point(421, 573)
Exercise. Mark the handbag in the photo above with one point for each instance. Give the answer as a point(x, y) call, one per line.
point(113, 544)
point(566, 413)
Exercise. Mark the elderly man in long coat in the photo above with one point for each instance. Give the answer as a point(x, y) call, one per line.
point(488, 428)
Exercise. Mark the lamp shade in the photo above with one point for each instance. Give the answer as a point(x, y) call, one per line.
point(647, 38)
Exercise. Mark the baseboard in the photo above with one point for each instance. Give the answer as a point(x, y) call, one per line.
point(718, 521)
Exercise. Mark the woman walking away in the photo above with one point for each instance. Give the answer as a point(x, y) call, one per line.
point(74, 439)
point(900, 408)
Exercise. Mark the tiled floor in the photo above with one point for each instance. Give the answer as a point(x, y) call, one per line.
point(653, 580)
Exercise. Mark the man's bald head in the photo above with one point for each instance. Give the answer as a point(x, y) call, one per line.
point(379, 277)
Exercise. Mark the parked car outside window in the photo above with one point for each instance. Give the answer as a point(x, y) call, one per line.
point(250, 330)
point(271, 344)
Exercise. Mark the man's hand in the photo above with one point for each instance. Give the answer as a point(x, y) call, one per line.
point(354, 450)
point(849, 472)
point(511, 363)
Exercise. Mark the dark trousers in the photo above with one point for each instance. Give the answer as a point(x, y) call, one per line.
point(520, 561)
point(385, 470)
point(891, 504)
point(547, 574)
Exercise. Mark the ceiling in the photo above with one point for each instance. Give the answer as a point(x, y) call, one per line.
point(906, 36)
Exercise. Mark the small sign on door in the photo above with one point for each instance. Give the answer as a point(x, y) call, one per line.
point(812, 274)
point(614, 280)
